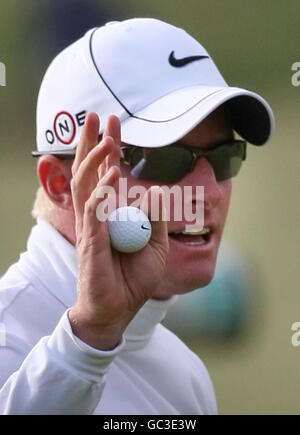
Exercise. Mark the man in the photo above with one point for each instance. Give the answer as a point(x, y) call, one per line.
point(82, 321)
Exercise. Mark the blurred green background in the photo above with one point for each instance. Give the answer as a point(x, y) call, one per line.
point(254, 44)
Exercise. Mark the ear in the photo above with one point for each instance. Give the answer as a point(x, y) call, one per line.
point(55, 175)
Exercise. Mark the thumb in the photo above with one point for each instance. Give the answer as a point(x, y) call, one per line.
point(154, 206)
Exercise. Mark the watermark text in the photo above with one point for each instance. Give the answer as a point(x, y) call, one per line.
point(296, 336)
point(2, 74)
point(181, 204)
point(2, 334)
point(296, 76)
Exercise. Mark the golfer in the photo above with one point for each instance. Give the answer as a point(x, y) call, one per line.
point(140, 100)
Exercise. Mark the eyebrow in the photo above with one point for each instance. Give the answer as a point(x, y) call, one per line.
point(229, 136)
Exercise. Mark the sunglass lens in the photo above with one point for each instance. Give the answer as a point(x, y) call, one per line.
point(164, 165)
point(226, 161)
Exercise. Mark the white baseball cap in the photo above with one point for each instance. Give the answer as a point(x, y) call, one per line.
point(155, 77)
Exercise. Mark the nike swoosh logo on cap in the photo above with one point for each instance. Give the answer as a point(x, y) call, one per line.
point(184, 60)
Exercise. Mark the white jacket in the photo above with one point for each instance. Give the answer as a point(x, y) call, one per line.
point(45, 369)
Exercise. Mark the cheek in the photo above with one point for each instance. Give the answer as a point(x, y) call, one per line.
point(225, 188)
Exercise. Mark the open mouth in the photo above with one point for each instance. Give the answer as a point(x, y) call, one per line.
point(192, 237)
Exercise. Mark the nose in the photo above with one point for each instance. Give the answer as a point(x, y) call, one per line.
point(203, 175)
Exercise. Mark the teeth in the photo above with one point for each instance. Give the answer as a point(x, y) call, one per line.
point(201, 242)
point(194, 232)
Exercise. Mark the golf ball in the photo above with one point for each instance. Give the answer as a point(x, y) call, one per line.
point(129, 229)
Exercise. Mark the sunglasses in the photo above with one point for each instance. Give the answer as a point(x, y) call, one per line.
point(171, 163)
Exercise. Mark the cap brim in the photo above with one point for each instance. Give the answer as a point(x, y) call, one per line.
point(170, 118)
point(59, 153)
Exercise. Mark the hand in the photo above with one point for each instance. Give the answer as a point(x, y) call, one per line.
point(112, 286)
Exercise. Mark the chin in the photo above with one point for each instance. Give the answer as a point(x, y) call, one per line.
point(179, 280)
point(188, 267)
point(193, 279)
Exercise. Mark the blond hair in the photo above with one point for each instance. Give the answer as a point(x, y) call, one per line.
point(42, 206)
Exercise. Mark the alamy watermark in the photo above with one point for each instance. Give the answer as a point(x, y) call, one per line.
point(2, 74)
point(2, 334)
point(295, 79)
point(296, 336)
point(181, 204)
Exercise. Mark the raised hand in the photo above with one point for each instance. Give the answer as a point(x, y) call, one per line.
point(112, 286)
